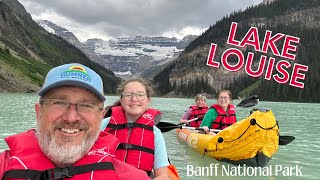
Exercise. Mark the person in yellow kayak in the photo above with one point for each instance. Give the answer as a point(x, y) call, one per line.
point(220, 115)
point(196, 112)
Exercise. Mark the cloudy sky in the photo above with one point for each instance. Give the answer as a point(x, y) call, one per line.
point(107, 19)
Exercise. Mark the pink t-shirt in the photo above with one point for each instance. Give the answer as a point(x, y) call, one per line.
point(187, 114)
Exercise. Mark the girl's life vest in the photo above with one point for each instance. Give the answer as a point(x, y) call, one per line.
point(224, 119)
point(29, 162)
point(136, 139)
point(197, 112)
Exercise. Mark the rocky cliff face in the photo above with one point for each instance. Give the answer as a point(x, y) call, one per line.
point(28, 52)
point(14, 40)
point(129, 56)
point(191, 67)
point(17, 8)
point(186, 41)
point(60, 31)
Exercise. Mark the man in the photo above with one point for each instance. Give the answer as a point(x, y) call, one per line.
point(67, 142)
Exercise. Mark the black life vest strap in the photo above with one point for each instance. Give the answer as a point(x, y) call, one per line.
point(21, 174)
point(148, 172)
point(221, 124)
point(57, 173)
point(226, 115)
point(127, 146)
point(129, 125)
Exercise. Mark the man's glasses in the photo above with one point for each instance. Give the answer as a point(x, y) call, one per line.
point(63, 105)
point(129, 95)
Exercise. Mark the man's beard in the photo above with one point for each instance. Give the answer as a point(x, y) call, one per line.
point(61, 155)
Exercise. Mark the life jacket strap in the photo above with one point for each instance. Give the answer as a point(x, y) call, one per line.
point(21, 174)
point(148, 172)
point(129, 125)
point(127, 146)
point(222, 124)
point(226, 115)
point(57, 173)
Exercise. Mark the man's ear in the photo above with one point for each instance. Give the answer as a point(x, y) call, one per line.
point(103, 113)
point(37, 108)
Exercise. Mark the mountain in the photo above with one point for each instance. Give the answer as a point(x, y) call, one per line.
point(189, 74)
point(186, 41)
point(28, 52)
point(17, 7)
point(60, 31)
point(125, 56)
point(128, 56)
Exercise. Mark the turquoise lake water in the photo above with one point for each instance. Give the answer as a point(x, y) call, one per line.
point(295, 119)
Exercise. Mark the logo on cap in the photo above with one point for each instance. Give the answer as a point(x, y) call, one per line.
point(76, 72)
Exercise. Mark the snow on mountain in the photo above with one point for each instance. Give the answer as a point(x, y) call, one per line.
point(120, 47)
point(125, 56)
point(46, 27)
point(53, 28)
point(60, 31)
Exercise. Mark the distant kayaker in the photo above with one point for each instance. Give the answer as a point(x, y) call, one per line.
point(67, 142)
point(133, 122)
point(196, 112)
point(222, 114)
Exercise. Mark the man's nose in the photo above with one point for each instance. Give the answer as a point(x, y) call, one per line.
point(72, 113)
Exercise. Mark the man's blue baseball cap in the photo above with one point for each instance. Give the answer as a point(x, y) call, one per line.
point(73, 75)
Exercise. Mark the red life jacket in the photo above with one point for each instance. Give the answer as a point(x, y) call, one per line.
point(29, 162)
point(197, 112)
point(224, 119)
point(136, 139)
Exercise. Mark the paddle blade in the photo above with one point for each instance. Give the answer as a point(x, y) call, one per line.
point(165, 126)
point(249, 101)
point(166, 129)
point(284, 140)
point(249, 104)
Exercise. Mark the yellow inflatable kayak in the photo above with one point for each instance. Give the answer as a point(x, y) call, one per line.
point(251, 141)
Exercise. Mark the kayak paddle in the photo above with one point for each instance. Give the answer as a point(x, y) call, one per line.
point(166, 126)
point(194, 119)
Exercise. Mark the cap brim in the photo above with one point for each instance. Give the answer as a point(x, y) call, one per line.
point(81, 84)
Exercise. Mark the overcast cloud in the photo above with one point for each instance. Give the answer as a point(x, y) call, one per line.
point(123, 18)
